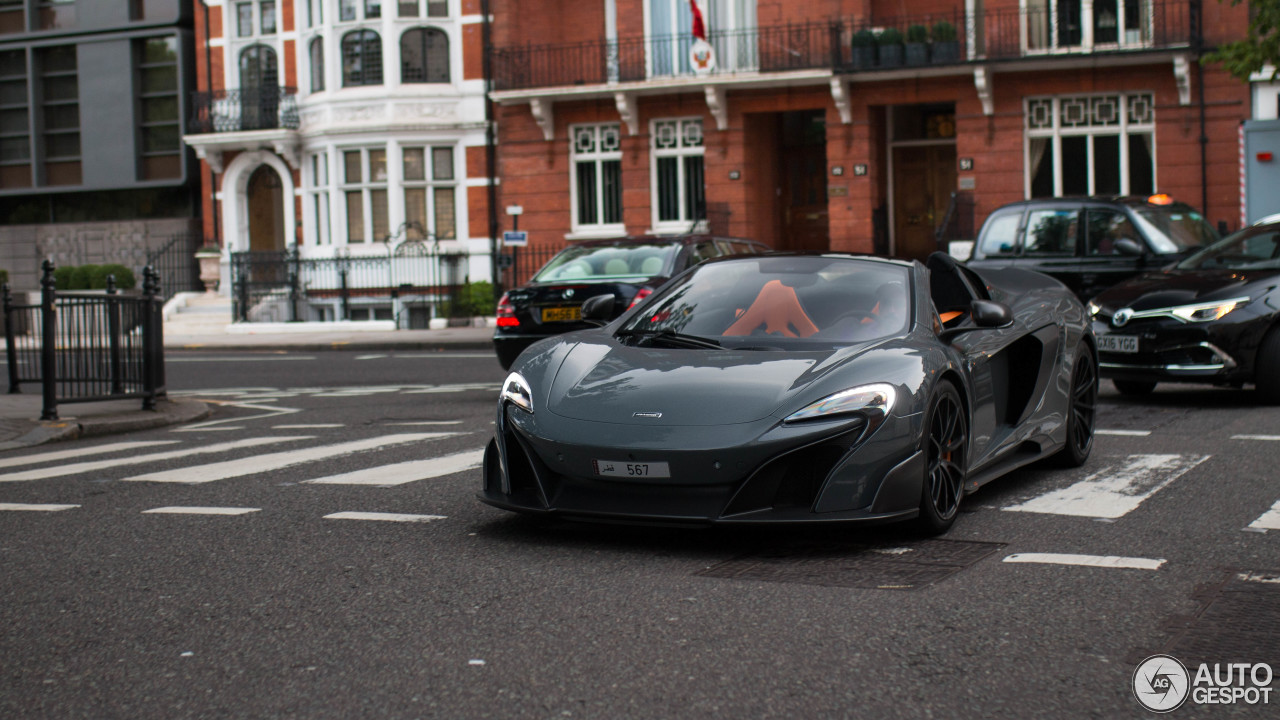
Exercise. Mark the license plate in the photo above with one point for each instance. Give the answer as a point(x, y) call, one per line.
point(1118, 343)
point(561, 314)
point(618, 468)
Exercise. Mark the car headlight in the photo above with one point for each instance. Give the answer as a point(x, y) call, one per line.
point(876, 399)
point(1206, 312)
point(1094, 309)
point(516, 390)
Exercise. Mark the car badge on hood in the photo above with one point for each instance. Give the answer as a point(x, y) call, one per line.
point(654, 415)
point(1121, 317)
point(568, 293)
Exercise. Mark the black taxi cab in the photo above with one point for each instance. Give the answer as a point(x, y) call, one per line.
point(1093, 243)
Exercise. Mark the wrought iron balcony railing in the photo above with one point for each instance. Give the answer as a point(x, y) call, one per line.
point(1059, 28)
point(252, 108)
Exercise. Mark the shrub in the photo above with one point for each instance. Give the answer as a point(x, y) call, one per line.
point(82, 277)
point(944, 31)
point(479, 299)
point(62, 276)
point(124, 277)
point(890, 36)
point(917, 34)
point(864, 38)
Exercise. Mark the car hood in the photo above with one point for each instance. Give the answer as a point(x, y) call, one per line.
point(602, 380)
point(1170, 288)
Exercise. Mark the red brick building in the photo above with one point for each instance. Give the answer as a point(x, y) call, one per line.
point(815, 129)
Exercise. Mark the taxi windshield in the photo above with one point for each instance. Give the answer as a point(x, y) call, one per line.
point(782, 302)
point(1174, 228)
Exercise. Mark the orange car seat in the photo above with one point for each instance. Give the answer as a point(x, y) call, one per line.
point(776, 308)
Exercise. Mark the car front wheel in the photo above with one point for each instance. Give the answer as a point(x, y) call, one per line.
point(1081, 410)
point(946, 444)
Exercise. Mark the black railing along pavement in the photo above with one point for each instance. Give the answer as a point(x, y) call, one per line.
point(83, 347)
point(251, 108)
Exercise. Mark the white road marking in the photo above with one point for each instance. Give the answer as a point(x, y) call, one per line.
point(27, 507)
point(248, 358)
point(95, 465)
point(388, 517)
point(1259, 578)
point(180, 510)
point(1105, 561)
point(1270, 520)
point(1272, 438)
point(307, 427)
point(429, 422)
point(1114, 491)
point(1123, 433)
point(487, 356)
point(369, 357)
point(406, 472)
point(272, 411)
point(257, 464)
point(82, 452)
point(455, 388)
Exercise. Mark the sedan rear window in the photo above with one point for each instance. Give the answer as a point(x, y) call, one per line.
point(591, 262)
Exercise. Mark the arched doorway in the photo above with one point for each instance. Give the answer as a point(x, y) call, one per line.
point(265, 195)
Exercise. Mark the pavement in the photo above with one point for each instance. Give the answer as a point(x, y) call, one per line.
point(21, 427)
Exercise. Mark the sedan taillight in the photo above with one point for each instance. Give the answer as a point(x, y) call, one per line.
point(644, 293)
point(507, 313)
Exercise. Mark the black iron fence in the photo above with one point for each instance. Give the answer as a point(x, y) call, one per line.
point(417, 279)
point(175, 261)
point(251, 108)
point(83, 347)
point(859, 45)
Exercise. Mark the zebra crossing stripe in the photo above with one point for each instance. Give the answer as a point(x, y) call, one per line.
point(386, 517)
point(406, 472)
point(81, 452)
point(1104, 561)
point(1270, 520)
point(30, 507)
point(1114, 491)
point(190, 510)
point(257, 464)
point(93, 466)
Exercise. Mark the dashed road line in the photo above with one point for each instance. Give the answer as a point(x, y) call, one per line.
point(426, 422)
point(195, 510)
point(75, 468)
point(1270, 520)
point(406, 472)
point(31, 507)
point(385, 517)
point(1103, 561)
point(1123, 433)
point(81, 452)
point(1272, 438)
point(313, 426)
point(257, 464)
point(1114, 491)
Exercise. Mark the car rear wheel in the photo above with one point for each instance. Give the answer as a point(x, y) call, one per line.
point(1135, 387)
point(1267, 368)
point(1081, 411)
point(946, 445)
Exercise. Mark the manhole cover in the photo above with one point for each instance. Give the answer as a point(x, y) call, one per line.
point(889, 566)
point(1240, 621)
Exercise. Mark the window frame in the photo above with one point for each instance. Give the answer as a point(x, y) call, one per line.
point(24, 79)
point(596, 157)
point(363, 41)
point(315, 65)
point(426, 32)
point(366, 186)
point(1125, 128)
point(320, 196)
point(48, 158)
point(143, 95)
point(430, 184)
point(681, 150)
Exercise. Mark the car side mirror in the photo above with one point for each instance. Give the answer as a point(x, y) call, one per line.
point(598, 310)
point(1129, 246)
point(985, 314)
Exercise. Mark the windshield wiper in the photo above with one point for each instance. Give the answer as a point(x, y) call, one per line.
point(670, 338)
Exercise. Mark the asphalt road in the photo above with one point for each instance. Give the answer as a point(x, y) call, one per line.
point(463, 611)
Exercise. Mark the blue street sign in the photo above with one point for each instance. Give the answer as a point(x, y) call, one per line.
point(515, 238)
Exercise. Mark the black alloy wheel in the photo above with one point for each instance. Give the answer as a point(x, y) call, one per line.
point(946, 446)
point(1082, 411)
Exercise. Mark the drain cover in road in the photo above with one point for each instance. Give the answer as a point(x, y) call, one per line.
point(904, 566)
point(1240, 621)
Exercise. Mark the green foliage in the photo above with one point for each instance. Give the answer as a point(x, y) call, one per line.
point(1261, 46)
point(917, 34)
point(4, 276)
point(944, 31)
point(124, 277)
point(864, 38)
point(82, 277)
point(890, 36)
point(62, 276)
point(478, 298)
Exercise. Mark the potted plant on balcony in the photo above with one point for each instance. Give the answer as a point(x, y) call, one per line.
point(946, 49)
point(890, 45)
point(917, 46)
point(864, 50)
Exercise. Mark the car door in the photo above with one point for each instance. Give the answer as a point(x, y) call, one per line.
point(1050, 244)
point(1102, 265)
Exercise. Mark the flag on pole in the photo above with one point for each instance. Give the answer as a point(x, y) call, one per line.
point(701, 53)
point(699, 27)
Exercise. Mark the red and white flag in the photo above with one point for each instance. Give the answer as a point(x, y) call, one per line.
point(701, 53)
point(699, 27)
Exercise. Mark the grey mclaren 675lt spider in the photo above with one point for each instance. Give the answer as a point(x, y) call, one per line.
point(798, 389)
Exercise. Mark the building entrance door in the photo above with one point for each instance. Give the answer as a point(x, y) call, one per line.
point(924, 176)
point(266, 210)
point(804, 181)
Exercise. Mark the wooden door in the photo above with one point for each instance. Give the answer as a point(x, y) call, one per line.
point(266, 211)
point(805, 199)
point(924, 177)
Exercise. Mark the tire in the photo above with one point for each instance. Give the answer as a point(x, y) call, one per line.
point(1082, 410)
point(1135, 387)
point(1266, 368)
point(946, 446)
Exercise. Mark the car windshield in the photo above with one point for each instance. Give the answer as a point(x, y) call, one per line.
point(781, 302)
point(1174, 228)
point(1253, 248)
point(595, 262)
